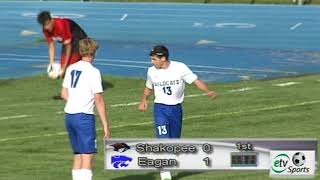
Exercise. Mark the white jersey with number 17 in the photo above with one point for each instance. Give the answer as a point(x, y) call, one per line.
point(169, 84)
point(82, 80)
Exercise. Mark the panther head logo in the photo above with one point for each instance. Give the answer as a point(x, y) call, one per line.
point(120, 147)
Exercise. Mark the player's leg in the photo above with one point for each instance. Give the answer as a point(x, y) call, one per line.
point(75, 54)
point(77, 35)
point(175, 127)
point(161, 121)
point(76, 170)
point(87, 166)
point(70, 124)
point(162, 126)
point(176, 115)
point(88, 144)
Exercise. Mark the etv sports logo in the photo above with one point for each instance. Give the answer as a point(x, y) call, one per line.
point(285, 163)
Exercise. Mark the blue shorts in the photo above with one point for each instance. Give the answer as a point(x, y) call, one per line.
point(82, 132)
point(168, 120)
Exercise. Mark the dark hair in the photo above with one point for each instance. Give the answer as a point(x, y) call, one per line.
point(160, 51)
point(43, 17)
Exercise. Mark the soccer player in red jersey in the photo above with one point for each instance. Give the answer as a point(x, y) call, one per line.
point(65, 31)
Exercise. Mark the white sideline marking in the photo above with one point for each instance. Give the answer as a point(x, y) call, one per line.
point(136, 103)
point(286, 84)
point(125, 104)
point(245, 78)
point(256, 110)
point(241, 89)
point(295, 26)
point(14, 117)
point(189, 117)
point(143, 62)
point(124, 17)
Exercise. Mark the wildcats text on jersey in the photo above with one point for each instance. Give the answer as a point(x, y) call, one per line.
point(167, 83)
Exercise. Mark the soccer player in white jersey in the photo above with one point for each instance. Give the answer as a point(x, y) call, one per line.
point(167, 80)
point(82, 88)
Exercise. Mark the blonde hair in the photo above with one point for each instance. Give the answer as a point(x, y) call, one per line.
point(88, 47)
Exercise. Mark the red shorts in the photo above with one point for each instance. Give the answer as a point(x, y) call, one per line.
point(75, 57)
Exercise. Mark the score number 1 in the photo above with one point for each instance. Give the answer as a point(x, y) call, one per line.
point(207, 161)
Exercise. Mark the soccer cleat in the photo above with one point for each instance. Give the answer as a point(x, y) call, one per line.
point(165, 175)
point(57, 97)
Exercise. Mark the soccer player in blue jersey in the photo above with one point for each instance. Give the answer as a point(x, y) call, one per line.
point(167, 80)
point(82, 88)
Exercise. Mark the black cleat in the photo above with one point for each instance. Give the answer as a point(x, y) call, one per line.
point(57, 97)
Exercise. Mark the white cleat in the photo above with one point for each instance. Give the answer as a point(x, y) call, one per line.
point(165, 175)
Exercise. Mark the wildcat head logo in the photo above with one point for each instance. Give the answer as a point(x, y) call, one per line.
point(120, 161)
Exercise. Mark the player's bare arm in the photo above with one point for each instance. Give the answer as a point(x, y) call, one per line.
point(68, 46)
point(64, 93)
point(101, 108)
point(144, 100)
point(204, 87)
point(52, 52)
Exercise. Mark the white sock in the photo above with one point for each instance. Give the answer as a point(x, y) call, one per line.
point(165, 175)
point(86, 174)
point(76, 174)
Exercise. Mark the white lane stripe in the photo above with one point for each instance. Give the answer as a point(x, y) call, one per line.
point(14, 117)
point(189, 117)
point(130, 66)
point(149, 63)
point(242, 69)
point(122, 65)
point(21, 55)
point(295, 26)
point(124, 17)
point(239, 74)
point(24, 60)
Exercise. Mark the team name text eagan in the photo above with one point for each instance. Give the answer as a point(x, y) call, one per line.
point(157, 163)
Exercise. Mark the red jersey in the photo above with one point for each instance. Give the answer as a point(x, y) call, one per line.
point(61, 32)
point(66, 29)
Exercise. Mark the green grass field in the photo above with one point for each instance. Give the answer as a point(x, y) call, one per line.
point(34, 145)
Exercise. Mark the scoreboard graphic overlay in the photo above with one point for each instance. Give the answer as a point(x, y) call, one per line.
point(282, 157)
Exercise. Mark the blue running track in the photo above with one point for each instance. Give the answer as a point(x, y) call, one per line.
point(221, 43)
